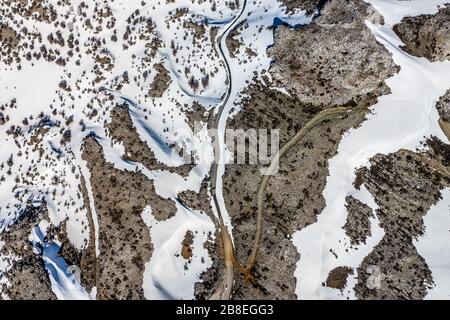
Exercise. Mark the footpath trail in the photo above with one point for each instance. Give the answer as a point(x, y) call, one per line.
point(327, 114)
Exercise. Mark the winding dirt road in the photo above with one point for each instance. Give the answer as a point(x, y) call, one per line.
point(220, 116)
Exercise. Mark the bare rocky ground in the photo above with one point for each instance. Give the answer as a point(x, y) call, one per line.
point(358, 225)
point(443, 107)
point(404, 185)
point(27, 277)
point(331, 72)
point(308, 5)
point(121, 129)
point(119, 199)
point(294, 196)
point(337, 278)
point(161, 82)
point(124, 239)
point(427, 35)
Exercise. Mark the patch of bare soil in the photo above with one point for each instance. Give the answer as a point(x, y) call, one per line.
point(29, 280)
point(232, 41)
point(27, 277)
point(186, 245)
point(337, 278)
point(427, 35)
point(404, 185)
point(8, 36)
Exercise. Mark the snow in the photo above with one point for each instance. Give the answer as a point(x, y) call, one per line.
point(34, 88)
point(393, 11)
point(165, 276)
point(161, 121)
point(259, 16)
point(399, 120)
point(64, 283)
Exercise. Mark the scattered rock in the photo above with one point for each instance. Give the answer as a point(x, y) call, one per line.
point(124, 240)
point(443, 107)
point(186, 245)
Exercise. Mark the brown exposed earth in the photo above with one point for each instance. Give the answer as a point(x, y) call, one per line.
point(186, 245)
point(308, 5)
point(123, 130)
point(162, 81)
point(443, 107)
point(124, 239)
point(329, 74)
point(337, 278)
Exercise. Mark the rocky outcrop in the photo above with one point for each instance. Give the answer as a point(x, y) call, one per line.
point(404, 185)
point(357, 227)
point(443, 107)
point(309, 5)
point(317, 64)
point(161, 82)
point(124, 239)
point(337, 278)
point(27, 277)
point(427, 35)
point(122, 129)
